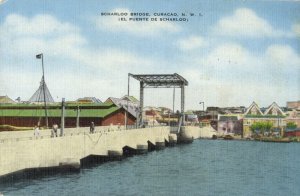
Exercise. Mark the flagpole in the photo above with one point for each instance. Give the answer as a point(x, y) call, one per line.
point(45, 102)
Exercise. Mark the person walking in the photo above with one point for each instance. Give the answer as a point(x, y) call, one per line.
point(92, 127)
point(36, 132)
point(54, 130)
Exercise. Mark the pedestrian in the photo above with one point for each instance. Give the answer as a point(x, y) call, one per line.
point(36, 132)
point(54, 130)
point(92, 127)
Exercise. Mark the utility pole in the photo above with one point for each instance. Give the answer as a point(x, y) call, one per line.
point(41, 56)
point(126, 111)
point(62, 126)
point(77, 116)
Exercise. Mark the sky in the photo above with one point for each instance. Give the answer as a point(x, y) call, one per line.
point(231, 52)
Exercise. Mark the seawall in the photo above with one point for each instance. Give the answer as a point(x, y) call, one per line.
point(21, 150)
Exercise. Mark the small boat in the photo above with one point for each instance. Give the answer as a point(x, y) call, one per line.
point(228, 137)
point(276, 140)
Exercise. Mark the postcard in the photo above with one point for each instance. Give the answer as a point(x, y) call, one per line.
point(92, 79)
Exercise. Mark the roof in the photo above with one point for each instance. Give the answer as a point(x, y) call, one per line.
point(71, 111)
point(253, 107)
point(228, 118)
point(41, 93)
point(263, 116)
point(55, 105)
point(292, 130)
point(6, 99)
point(130, 98)
point(89, 99)
point(274, 109)
point(129, 106)
point(160, 80)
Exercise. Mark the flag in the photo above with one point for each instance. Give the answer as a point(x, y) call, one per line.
point(39, 56)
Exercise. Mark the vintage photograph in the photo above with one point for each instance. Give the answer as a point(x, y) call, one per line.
point(150, 97)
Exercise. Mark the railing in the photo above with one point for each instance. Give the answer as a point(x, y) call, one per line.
point(46, 134)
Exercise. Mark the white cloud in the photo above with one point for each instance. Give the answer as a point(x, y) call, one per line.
point(66, 52)
point(282, 55)
point(190, 43)
point(38, 25)
point(24, 37)
point(231, 75)
point(2, 1)
point(245, 22)
point(229, 53)
point(138, 28)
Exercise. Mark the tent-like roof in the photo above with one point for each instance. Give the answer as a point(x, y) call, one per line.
point(253, 109)
point(274, 109)
point(161, 80)
point(38, 96)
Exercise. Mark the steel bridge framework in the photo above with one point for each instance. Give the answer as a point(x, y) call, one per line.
point(159, 81)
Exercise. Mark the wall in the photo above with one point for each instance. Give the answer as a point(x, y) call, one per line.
point(32, 121)
point(235, 127)
point(50, 152)
point(292, 134)
point(115, 118)
point(198, 132)
point(118, 118)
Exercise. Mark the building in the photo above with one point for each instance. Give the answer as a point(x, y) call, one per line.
point(230, 124)
point(292, 133)
point(272, 114)
point(29, 115)
point(5, 99)
point(88, 100)
point(293, 112)
point(132, 107)
point(293, 116)
point(131, 99)
point(293, 105)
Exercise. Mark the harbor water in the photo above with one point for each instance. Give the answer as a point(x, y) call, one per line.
point(205, 167)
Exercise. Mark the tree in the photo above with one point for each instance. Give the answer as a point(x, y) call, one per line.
point(291, 125)
point(261, 127)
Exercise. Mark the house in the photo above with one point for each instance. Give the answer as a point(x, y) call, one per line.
point(292, 133)
point(293, 105)
point(5, 99)
point(131, 107)
point(293, 112)
point(272, 114)
point(293, 116)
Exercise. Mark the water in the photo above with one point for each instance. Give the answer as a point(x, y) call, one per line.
point(205, 167)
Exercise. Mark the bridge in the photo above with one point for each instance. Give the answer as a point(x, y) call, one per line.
point(21, 150)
